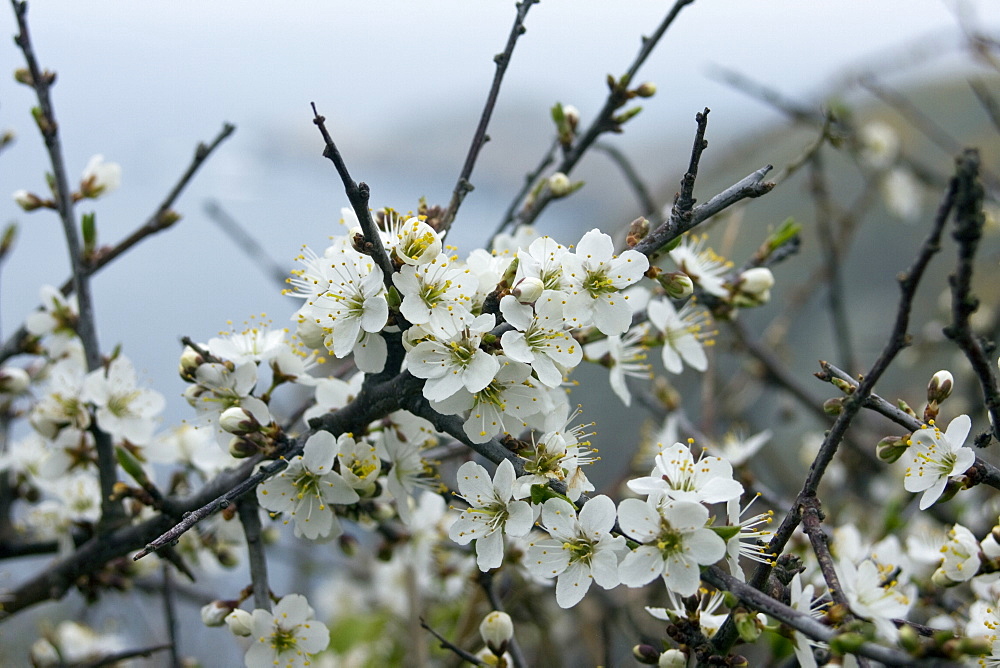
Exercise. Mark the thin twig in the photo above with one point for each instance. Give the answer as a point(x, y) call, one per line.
point(358, 194)
point(685, 201)
point(604, 122)
point(969, 221)
point(752, 185)
point(447, 644)
point(529, 180)
point(502, 60)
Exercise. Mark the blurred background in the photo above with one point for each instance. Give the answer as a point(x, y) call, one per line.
point(402, 85)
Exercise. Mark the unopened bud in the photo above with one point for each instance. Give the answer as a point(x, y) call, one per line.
point(908, 638)
point(940, 387)
point(847, 643)
point(646, 89)
point(756, 281)
point(497, 629)
point(941, 579)
point(241, 448)
point(646, 655)
point(240, 622)
point(572, 116)
point(237, 420)
point(677, 284)
point(747, 625)
point(560, 185)
point(842, 385)
point(528, 290)
point(672, 658)
point(27, 201)
point(191, 359)
point(637, 231)
point(13, 380)
point(891, 448)
point(834, 406)
point(214, 614)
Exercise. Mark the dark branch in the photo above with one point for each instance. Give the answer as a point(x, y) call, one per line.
point(502, 60)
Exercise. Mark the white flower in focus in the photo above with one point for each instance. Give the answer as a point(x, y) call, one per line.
point(543, 260)
point(961, 556)
point(438, 294)
point(539, 338)
point(935, 456)
point(678, 475)
point(703, 265)
point(454, 364)
point(100, 178)
point(872, 598)
point(359, 463)
point(558, 456)
point(624, 356)
point(903, 194)
point(579, 550)
point(415, 242)
point(123, 409)
point(491, 512)
point(675, 543)
point(353, 303)
point(308, 488)
point(597, 278)
point(506, 401)
point(257, 343)
point(287, 636)
point(685, 334)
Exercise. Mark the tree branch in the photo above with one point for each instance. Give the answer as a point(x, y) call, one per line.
point(502, 60)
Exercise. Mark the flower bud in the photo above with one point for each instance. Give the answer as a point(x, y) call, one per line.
point(891, 448)
point(834, 406)
point(637, 231)
point(677, 284)
point(497, 629)
point(672, 658)
point(560, 185)
point(940, 387)
point(756, 281)
point(237, 420)
point(190, 361)
point(240, 622)
point(214, 614)
point(747, 625)
point(528, 289)
point(13, 380)
point(646, 655)
point(941, 579)
point(572, 116)
point(646, 89)
point(27, 201)
point(240, 448)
